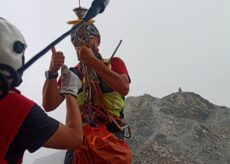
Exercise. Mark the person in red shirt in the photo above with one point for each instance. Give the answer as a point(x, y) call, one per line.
point(113, 79)
point(23, 124)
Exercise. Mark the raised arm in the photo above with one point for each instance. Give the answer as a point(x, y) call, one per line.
point(51, 98)
point(118, 82)
point(71, 135)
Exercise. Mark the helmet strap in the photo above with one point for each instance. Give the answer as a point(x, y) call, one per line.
point(11, 75)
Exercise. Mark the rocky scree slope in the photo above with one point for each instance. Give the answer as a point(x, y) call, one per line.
point(179, 128)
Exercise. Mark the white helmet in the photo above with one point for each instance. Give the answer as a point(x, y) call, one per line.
point(12, 47)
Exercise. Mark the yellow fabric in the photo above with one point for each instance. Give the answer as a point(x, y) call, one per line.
point(80, 99)
point(113, 100)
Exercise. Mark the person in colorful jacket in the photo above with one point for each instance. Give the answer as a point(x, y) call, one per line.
point(23, 124)
point(113, 78)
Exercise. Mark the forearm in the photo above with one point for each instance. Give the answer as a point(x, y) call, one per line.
point(68, 136)
point(51, 98)
point(117, 82)
point(73, 116)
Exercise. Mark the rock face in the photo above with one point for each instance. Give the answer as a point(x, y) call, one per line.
point(181, 128)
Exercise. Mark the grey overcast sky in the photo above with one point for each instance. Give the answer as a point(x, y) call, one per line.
point(167, 44)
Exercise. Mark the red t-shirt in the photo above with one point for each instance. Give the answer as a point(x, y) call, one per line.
point(119, 66)
point(14, 109)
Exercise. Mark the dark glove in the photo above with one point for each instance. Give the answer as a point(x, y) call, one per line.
point(70, 82)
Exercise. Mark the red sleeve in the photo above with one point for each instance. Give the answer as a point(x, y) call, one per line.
point(119, 66)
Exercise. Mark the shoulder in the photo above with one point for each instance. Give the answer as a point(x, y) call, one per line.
point(117, 60)
point(40, 126)
point(19, 98)
point(118, 65)
point(16, 101)
point(36, 129)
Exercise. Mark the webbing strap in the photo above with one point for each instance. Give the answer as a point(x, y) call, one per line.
point(92, 82)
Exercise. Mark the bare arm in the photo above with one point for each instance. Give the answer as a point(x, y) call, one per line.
point(71, 135)
point(51, 98)
point(118, 82)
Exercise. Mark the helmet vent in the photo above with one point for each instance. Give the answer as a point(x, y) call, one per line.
point(19, 47)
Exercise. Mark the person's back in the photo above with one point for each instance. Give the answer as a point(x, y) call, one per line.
point(23, 124)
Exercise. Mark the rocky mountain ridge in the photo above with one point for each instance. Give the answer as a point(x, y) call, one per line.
point(180, 128)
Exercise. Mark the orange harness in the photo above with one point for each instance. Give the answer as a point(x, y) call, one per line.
point(95, 110)
point(99, 144)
